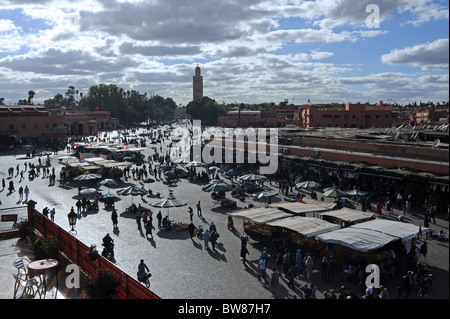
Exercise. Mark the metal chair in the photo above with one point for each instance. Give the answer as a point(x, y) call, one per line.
point(22, 265)
point(29, 287)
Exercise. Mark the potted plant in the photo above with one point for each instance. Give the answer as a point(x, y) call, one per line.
point(46, 247)
point(103, 286)
point(92, 252)
point(23, 227)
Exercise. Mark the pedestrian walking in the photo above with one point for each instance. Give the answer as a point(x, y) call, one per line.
point(26, 191)
point(114, 218)
point(138, 220)
point(244, 253)
point(206, 238)
point(213, 239)
point(433, 209)
point(45, 212)
point(199, 209)
point(159, 218)
point(148, 227)
point(244, 239)
point(388, 207)
point(408, 207)
point(144, 218)
point(191, 213)
point(230, 223)
point(274, 282)
point(262, 268)
point(78, 204)
point(191, 229)
point(52, 214)
point(309, 264)
point(20, 193)
point(11, 186)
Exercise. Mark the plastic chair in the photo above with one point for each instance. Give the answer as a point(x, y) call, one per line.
point(28, 286)
point(22, 265)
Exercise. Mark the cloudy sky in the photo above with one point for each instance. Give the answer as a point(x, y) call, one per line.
point(250, 51)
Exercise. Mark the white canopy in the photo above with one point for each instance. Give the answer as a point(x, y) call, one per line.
point(306, 226)
point(372, 235)
point(261, 215)
point(358, 239)
point(349, 215)
point(300, 208)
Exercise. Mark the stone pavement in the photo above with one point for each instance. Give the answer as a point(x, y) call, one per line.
point(182, 268)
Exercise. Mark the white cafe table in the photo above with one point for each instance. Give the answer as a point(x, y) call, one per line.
point(39, 268)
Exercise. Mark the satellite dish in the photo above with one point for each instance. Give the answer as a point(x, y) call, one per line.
point(436, 143)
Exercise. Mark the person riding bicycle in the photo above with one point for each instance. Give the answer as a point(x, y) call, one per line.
point(142, 270)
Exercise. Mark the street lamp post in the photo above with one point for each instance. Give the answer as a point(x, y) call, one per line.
point(72, 216)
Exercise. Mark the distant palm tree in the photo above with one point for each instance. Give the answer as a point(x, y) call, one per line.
point(31, 95)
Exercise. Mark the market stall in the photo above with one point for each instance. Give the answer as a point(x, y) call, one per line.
point(372, 235)
point(301, 208)
point(304, 226)
point(346, 216)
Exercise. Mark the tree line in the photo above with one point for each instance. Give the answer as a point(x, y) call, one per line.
point(128, 106)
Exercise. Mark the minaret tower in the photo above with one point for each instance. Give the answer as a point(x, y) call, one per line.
point(197, 84)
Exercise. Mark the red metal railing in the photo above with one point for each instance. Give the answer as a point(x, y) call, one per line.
point(77, 252)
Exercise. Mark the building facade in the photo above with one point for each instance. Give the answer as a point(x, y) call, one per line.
point(352, 116)
point(28, 122)
point(197, 80)
point(245, 118)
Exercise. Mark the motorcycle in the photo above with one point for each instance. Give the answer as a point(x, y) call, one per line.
point(108, 250)
point(144, 278)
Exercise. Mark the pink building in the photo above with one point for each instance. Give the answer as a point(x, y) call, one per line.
point(19, 122)
point(353, 116)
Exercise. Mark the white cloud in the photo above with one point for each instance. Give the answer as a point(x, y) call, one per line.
point(249, 50)
point(428, 56)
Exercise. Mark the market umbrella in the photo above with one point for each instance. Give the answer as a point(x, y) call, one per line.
point(214, 170)
point(87, 177)
point(355, 192)
point(108, 182)
point(265, 194)
point(106, 196)
point(180, 161)
point(167, 203)
point(233, 172)
point(217, 187)
point(307, 185)
point(88, 192)
point(132, 190)
point(195, 164)
point(334, 193)
point(252, 177)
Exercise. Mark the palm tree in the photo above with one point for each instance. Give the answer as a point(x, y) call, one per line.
point(31, 94)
